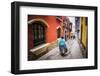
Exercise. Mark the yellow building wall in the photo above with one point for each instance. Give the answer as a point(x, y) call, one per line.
point(84, 31)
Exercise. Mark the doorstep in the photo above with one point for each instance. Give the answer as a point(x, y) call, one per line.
point(39, 47)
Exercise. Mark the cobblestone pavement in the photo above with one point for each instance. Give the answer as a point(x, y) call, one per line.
point(74, 52)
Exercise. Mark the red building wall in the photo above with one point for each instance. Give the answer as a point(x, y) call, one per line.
point(51, 30)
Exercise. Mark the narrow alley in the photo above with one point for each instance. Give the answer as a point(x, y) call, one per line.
point(45, 33)
point(74, 51)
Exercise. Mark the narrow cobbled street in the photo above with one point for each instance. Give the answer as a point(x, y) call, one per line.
point(74, 51)
point(44, 37)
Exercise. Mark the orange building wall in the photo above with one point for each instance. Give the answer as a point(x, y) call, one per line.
point(51, 34)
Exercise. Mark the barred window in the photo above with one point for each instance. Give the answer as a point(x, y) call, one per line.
point(38, 33)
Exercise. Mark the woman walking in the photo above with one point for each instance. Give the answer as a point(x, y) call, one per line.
point(62, 46)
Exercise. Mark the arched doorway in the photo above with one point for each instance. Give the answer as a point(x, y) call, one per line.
point(37, 30)
point(58, 32)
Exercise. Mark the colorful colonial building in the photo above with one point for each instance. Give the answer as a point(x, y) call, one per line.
point(82, 32)
point(43, 32)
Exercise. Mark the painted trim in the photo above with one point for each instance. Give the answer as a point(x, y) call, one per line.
point(40, 20)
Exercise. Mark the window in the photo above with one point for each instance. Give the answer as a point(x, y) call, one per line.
point(38, 33)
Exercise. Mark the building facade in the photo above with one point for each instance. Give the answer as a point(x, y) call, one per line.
point(43, 32)
point(81, 28)
point(67, 27)
point(84, 31)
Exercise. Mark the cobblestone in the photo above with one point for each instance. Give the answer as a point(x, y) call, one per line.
point(74, 51)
